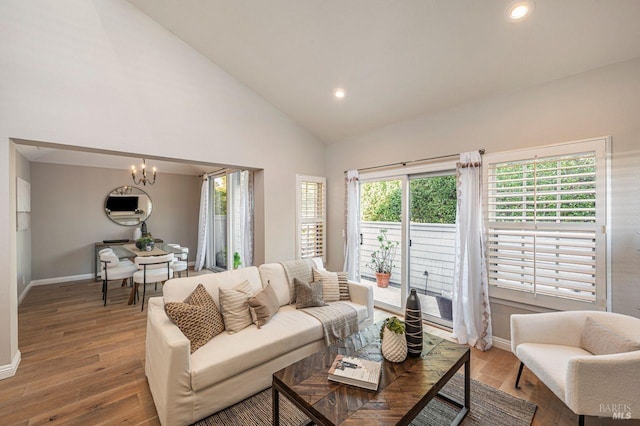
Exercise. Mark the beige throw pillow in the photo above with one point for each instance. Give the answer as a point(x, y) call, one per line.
point(263, 305)
point(234, 303)
point(197, 317)
point(308, 295)
point(330, 285)
point(601, 340)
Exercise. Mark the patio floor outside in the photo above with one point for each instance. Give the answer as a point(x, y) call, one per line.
point(392, 296)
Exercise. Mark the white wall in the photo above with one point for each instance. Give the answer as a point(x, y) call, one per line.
point(597, 103)
point(100, 74)
point(23, 238)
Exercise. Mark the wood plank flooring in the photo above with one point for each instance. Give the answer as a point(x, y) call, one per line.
point(83, 363)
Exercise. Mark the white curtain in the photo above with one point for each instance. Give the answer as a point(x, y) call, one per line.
point(241, 196)
point(203, 224)
point(352, 246)
point(246, 207)
point(471, 311)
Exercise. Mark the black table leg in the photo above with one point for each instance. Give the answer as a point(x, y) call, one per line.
point(276, 406)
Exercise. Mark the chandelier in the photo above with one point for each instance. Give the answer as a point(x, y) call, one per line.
point(144, 179)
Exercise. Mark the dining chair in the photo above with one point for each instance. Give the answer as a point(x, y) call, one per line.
point(151, 269)
point(181, 261)
point(114, 269)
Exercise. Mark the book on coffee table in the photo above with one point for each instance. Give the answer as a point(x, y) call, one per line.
point(356, 371)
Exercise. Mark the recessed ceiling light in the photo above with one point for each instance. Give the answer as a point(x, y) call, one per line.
point(519, 9)
point(339, 93)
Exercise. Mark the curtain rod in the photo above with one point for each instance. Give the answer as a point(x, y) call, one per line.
point(404, 163)
point(216, 173)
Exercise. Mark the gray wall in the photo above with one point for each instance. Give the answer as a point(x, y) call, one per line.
point(23, 238)
point(68, 217)
point(598, 103)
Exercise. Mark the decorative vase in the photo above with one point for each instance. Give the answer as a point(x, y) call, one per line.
point(394, 346)
point(137, 233)
point(383, 279)
point(413, 324)
point(144, 230)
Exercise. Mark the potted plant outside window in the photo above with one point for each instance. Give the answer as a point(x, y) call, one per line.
point(381, 261)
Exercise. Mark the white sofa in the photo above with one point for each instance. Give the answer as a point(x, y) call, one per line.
point(231, 367)
point(549, 344)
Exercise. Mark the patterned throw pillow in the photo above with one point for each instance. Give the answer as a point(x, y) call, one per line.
point(263, 306)
point(234, 303)
point(343, 285)
point(197, 317)
point(308, 295)
point(330, 286)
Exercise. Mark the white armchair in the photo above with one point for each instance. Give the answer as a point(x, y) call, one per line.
point(550, 345)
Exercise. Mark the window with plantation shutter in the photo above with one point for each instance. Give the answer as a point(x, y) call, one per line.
point(546, 217)
point(311, 216)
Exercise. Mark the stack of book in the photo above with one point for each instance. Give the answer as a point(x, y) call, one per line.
point(356, 372)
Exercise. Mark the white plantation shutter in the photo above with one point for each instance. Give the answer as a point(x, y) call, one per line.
point(311, 216)
point(545, 224)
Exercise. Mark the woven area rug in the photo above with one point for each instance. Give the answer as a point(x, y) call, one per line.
point(489, 406)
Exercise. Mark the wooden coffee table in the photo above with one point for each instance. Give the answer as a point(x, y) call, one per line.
point(405, 388)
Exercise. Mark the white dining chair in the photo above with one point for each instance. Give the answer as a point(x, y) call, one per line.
point(181, 261)
point(151, 269)
point(114, 269)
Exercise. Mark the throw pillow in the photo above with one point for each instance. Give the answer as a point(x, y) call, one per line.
point(601, 340)
point(343, 285)
point(330, 286)
point(263, 305)
point(234, 303)
point(197, 317)
point(308, 294)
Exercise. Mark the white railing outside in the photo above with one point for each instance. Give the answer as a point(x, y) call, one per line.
point(432, 250)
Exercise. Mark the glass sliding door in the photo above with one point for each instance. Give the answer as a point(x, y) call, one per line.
point(217, 257)
point(381, 219)
point(432, 231)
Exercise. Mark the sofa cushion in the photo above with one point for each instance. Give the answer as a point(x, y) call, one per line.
point(549, 363)
point(226, 355)
point(273, 274)
point(330, 286)
point(308, 295)
point(197, 317)
point(234, 305)
point(601, 340)
point(178, 289)
point(263, 306)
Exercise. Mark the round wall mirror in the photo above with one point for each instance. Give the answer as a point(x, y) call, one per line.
point(128, 206)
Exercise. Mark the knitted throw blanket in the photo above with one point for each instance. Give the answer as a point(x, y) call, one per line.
point(339, 320)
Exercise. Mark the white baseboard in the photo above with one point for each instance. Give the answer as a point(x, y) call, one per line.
point(58, 280)
point(9, 370)
point(501, 343)
point(55, 280)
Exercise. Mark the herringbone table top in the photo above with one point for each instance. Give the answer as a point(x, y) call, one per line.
point(405, 388)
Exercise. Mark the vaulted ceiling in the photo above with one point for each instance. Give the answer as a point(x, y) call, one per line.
point(395, 59)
